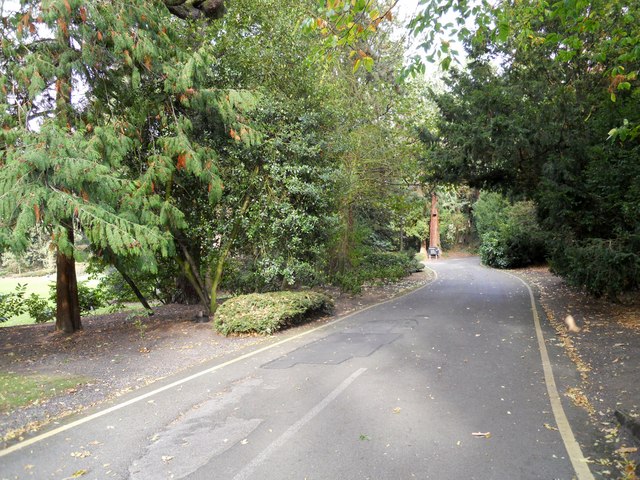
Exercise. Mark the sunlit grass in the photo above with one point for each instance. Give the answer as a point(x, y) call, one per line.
point(21, 390)
point(38, 285)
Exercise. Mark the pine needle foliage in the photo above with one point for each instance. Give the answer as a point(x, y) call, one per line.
point(95, 100)
point(95, 130)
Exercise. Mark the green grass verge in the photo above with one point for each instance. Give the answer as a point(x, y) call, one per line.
point(38, 285)
point(19, 390)
point(266, 313)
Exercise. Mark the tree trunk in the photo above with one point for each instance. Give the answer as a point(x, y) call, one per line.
point(434, 223)
point(189, 10)
point(135, 288)
point(67, 302)
point(423, 247)
point(217, 276)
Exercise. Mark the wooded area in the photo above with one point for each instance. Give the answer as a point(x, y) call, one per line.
point(189, 147)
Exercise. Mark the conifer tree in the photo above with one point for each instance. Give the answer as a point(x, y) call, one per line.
point(94, 130)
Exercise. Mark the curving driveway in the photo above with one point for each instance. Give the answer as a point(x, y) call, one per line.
point(394, 392)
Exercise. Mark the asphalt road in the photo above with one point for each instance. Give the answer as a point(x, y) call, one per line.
point(394, 392)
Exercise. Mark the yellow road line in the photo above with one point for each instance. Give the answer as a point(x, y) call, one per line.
point(576, 456)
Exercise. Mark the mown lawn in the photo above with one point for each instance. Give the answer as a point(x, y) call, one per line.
point(20, 390)
point(39, 285)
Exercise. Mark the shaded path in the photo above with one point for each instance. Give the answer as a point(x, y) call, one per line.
point(393, 392)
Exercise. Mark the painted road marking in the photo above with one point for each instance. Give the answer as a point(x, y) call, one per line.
point(576, 456)
point(247, 471)
point(101, 413)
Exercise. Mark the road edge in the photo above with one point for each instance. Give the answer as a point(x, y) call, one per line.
point(577, 458)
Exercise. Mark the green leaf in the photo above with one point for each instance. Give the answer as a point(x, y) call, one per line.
point(368, 63)
point(135, 79)
point(503, 31)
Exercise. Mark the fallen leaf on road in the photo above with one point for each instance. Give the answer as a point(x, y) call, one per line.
point(627, 450)
point(81, 454)
point(364, 437)
point(550, 427)
point(481, 434)
point(28, 467)
point(166, 458)
point(78, 473)
point(244, 442)
point(397, 410)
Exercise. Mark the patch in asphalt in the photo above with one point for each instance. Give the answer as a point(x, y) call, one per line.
point(334, 349)
point(196, 437)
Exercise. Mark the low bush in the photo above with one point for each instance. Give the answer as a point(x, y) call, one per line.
point(505, 249)
point(601, 267)
point(266, 313)
point(377, 266)
point(16, 303)
point(41, 309)
point(90, 298)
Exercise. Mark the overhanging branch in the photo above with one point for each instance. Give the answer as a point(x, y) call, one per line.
point(196, 9)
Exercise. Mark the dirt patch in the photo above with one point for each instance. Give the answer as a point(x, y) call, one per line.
point(606, 352)
point(121, 352)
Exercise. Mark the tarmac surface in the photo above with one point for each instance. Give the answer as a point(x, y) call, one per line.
point(447, 382)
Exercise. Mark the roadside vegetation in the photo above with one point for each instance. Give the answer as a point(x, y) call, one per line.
point(21, 390)
point(267, 313)
point(279, 148)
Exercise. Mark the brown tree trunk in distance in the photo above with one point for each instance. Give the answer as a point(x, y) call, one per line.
point(434, 223)
point(423, 247)
point(67, 303)
point(423, 242)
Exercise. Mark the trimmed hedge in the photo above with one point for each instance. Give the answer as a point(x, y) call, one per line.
point(266, 313)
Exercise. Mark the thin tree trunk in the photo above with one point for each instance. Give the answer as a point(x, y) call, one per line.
point(135, 288)
point(423, 247)
point(67, 303)
point(217, 276)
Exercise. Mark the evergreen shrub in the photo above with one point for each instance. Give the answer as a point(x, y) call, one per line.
point(510, 236)
point(601, 267)
point(376, 266)
point(266, 313)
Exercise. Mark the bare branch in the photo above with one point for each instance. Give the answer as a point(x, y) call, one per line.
point(196, 9)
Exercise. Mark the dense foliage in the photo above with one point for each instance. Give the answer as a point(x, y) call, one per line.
point(269, 150)
point(509, 233)
point(193, 156)
point(556, 123)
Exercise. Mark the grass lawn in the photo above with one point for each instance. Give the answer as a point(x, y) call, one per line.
point(39, 285)
point(19, 390)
